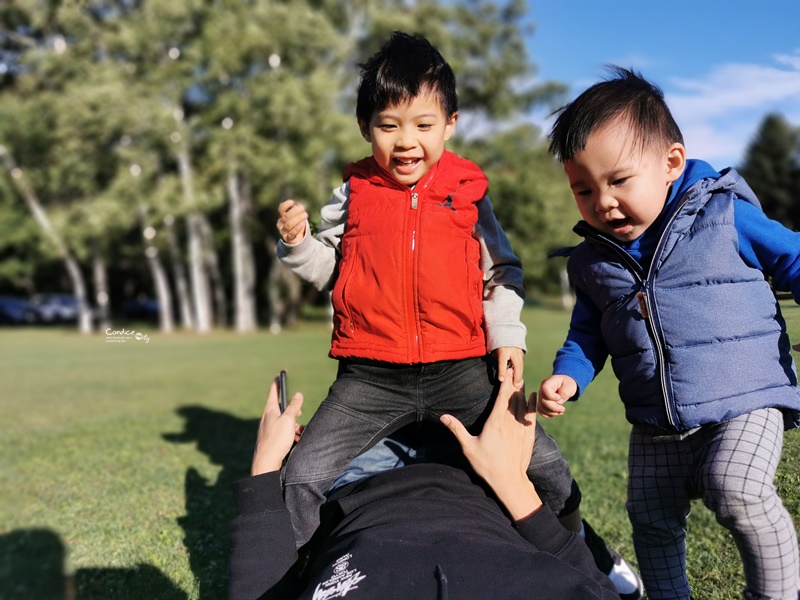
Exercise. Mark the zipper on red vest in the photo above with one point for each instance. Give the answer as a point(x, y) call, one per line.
point(423, 183)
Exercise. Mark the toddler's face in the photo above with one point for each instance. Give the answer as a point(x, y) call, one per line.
point(619, 186)
point(408, 139)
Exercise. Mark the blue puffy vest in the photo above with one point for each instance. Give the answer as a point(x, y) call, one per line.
point(698, 337)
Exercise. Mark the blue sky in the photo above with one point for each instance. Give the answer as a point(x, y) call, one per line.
point(722, 65)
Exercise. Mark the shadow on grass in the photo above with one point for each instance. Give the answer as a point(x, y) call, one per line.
point(32, 568)
point(228, 441)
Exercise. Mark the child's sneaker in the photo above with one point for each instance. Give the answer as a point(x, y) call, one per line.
point(625, 578)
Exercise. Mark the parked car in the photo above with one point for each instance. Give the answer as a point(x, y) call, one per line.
point(140, 309)
point(17, 311)
point(56, 308)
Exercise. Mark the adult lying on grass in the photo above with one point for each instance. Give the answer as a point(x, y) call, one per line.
point(420, 531)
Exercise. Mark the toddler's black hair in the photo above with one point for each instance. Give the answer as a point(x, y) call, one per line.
point(406, 66)
point(625, 93)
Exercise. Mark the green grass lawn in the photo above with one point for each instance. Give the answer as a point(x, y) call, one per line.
point(116, 458)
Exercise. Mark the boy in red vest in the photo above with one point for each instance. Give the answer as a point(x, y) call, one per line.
point(427, 291)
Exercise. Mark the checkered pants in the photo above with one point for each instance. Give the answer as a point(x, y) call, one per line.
point(731, 466)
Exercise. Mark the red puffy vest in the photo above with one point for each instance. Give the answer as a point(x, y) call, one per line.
point(410, 286)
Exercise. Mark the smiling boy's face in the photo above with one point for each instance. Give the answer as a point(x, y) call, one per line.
point(408, 139)
point(620, 186)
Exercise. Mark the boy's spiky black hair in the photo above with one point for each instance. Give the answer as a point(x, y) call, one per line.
point(624, 93)
point(398, 72)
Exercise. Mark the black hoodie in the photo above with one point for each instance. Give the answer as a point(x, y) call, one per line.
point(422, 531)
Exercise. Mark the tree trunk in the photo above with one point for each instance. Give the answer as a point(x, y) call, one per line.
point(197, 275)
point(179, 272)
point(100, 277)
point(44, 223)
point(284, 290)
point(244, 305)
point(159, 275)
point(163, 294)
point(197, 267)
point(567, 299)
point(215, 275)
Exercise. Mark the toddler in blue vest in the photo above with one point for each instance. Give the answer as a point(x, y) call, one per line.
point(672, 281)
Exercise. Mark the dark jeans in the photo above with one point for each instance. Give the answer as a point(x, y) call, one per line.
point(370, 400)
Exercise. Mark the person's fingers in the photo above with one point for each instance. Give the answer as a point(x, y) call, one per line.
point(547, 408)
point(518, 381)
point(296, 214)
point(272, 405)
point(517, 364)
point(502, 402)
point(530, 409)
point(291, 224)
point(295, 405)
point(510, 397)
point(552, 389)
point(533, 401)
point(549, 387)
point(568, 389)
point(517, 401)
point(284, 206)
point(457, 428)
point(294, 230)
point(502, 367)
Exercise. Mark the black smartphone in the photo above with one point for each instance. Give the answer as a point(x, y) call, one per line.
point(282, 390)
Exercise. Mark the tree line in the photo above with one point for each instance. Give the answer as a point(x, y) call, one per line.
point(145, 145)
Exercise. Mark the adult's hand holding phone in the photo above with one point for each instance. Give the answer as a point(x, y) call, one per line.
point(277, 432)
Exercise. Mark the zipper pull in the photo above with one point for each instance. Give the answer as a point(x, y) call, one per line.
point(640, 296)
point(414, 197)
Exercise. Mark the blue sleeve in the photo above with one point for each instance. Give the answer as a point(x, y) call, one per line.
point(584, 352)
point(768, 246)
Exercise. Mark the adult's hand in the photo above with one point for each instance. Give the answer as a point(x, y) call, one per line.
point(276, 432)
point(502, 451)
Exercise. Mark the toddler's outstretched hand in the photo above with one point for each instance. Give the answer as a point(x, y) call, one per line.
point(292, 221)
point(509, 357)
point(553, 393)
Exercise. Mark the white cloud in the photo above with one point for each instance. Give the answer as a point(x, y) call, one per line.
point(720, 146)
point(733, 87)
point(720, 113)
point(793, 60)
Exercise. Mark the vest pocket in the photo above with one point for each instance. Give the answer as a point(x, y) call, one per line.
point(341, 307)
point(450, 293)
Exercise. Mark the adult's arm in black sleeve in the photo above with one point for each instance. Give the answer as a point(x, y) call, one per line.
point(262, 539)
point(545, 532)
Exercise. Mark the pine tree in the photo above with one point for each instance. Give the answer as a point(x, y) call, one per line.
point(772, 168)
